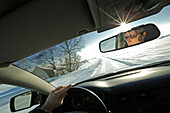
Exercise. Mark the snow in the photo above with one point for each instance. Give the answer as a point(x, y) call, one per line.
point(6, 109)
point(6, 92)
point(147, 53)
point(5, 87)
point(142, 54)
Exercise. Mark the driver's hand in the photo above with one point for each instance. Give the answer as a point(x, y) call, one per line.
point(55, 98)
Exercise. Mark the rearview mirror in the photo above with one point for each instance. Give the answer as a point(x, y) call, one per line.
point(24, 101)
point(136, 35)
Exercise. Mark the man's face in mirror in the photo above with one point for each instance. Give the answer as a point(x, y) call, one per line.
point(134, 37)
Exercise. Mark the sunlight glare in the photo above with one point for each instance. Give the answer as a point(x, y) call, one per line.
point(139, 74)
point(123, 24)
point(90, 52)
point(124, 27)
point(102, 84)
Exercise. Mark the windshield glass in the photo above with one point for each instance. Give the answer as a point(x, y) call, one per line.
point(80, 59)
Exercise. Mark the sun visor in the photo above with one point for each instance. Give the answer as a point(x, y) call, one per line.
point(109, 14)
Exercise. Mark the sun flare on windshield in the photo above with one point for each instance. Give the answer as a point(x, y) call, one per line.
point(124, 26)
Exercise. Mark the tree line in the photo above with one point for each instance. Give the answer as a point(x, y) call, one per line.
point(62, 57)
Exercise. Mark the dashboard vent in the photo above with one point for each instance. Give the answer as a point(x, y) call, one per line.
point(144, 95)
point(124, 99)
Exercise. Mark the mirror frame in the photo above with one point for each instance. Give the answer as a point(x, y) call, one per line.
point(34, 100)
point(105, 40)
point(143, 25)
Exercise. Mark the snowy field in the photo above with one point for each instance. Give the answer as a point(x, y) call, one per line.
point(149, 52)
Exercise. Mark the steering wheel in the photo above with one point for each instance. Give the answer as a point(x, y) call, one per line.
point(82, 100)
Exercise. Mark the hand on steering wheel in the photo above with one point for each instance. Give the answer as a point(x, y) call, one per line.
point(56, 98)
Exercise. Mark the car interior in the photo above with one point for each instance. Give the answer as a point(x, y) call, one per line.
point(30, 26)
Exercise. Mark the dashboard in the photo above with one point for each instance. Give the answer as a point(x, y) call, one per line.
point(138, 91)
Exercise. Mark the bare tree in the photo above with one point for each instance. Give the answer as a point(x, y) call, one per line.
point(62, 57)
point(70, 48)
point(50, 56)
point(25, 64)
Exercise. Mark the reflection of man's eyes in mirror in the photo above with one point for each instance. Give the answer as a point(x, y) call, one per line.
point(134, 36)
point(130, 36)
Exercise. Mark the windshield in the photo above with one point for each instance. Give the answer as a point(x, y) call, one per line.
point(80, 59)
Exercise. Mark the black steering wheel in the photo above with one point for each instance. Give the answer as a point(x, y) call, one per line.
point(82, 100)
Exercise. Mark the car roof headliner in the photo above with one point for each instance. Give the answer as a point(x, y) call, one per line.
point(29, 26)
